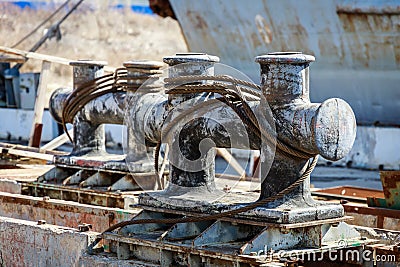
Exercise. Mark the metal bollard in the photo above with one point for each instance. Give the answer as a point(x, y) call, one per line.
point(114, 93)
point(140, 73)
point(327, 129)
point(190, 64)
point(311, 128)
point(89, 137)
point(108, 108)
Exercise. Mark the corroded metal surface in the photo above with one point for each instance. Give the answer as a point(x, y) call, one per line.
point(26, 243)
point(89, 139)
point(61, 213)
point(190, 64)
point(235, 243)
point(102, 183)
point(374, 217)
point(76, 194)
point(391, 189)
point(86, 70)
point(108, 108)
point(303, 130)
point(348, 193)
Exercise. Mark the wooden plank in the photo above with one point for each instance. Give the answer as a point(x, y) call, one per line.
point(34, 55)
point(28, 154)
point(26, 175)
point(58, 141)
point(43, 57)
point(40, 100)
point(161, 181)
point(37, 135)
point(9, 59)
point(31, 149)
point(223, 152)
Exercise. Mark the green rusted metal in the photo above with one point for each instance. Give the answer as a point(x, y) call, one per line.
point(391, 190)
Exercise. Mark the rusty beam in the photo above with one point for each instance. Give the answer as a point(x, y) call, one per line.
point(80, 195)
point(62, 213)
point(354, 208)
point(37, 135)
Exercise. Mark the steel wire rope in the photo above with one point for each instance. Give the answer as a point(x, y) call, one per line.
point(41, 24)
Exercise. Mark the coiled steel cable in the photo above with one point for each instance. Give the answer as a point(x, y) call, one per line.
point(230, 92)
point(109, 83)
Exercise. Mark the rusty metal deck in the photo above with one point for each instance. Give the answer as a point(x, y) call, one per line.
point(350, 193)
point(223, 242)
point(354, 201)
point(60, 212)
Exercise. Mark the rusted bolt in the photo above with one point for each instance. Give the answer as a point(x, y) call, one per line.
point(85, 227)
point(41, 222)
point(344, 201)
point(363, 238)
point(335, 224)
point(46, 198)
point(227, 188)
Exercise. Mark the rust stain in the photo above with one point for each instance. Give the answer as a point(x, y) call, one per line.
point(70, 215)
point(327, 47)
point(263, 29)
point(352, 191)
point(369, 32)
point(89, 163)
point(369, 9)
point(298, 38)
point(255, 40)
point(391, 186)
point(199, 22)
point(379, 221)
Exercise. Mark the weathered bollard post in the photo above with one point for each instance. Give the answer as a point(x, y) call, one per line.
point(327, 128)
point(89, 137)
point(182, 174)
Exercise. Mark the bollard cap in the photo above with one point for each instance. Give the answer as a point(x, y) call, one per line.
point(88, 62)
point(143, 64)
point(285, 57)
point(334, 127)
point(190, 58)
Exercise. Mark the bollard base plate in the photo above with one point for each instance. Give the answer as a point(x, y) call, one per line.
point(205, 202)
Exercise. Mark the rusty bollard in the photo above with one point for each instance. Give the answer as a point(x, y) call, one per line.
point(88, 137)
point(327, 128)
point(182, 65)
